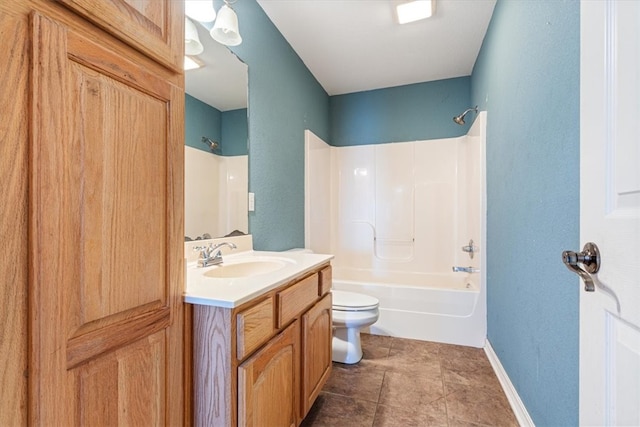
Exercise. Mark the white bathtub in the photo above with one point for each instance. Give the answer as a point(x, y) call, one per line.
point(446, 308)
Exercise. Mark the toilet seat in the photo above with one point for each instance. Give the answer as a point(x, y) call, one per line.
point(354, 319)
point(351, 301)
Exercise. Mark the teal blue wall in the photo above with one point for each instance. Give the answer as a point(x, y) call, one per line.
point(284, 100)
point(235, 134)
point(527, 78)
point(404, 113)
point(229, 128)
point(200, 120)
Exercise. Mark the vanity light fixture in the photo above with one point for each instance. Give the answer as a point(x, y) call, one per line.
point(416, 10)
point(225, 31)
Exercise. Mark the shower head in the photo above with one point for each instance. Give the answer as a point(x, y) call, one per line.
point(213, 145)
point(460, 119)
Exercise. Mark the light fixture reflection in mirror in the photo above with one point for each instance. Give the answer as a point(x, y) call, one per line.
point(192, 44)
point(216, 184)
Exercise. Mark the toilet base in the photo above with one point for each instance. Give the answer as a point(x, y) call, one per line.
point(346, 346)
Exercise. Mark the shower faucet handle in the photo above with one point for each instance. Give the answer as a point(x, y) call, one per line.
point(470, 269)
point(470, 249)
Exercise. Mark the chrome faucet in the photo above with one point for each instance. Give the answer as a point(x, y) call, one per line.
point(465, 269)
point(212, 254)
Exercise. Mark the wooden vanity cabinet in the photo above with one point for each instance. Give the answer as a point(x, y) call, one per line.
point(268, 382)
point(316, 351)
point(263, 363)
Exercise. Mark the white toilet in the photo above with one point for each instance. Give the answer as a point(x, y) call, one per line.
point(351, 312)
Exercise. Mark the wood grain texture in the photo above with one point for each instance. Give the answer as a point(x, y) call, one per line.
point(119, 193)
point(142, 371)
point(212, 366)
point(296, 298)
point(85, 347)
point(152, 27)
point(96, 296)
point(13, 214)
point(126, 387)
point(316, 351)
point(51, 226)
point(326, 279)
point(177, 392)
point(268, 382)
point(254, 327)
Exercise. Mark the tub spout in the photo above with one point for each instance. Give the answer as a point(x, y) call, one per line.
point(465, 269)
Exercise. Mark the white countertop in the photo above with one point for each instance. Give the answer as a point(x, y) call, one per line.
point(232, 292)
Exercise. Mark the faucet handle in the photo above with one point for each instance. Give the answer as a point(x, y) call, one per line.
point(470, 249)
point(205, 251)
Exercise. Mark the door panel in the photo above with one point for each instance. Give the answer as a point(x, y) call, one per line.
point(148, 25)
point(125, 387)
point(105, 236)
point(610, 212)
point(120, 194)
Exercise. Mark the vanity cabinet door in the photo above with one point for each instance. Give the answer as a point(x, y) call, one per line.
point(106, 343)
point(316, 351)
point(268, 382)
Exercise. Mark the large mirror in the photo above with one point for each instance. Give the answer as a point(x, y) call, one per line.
point(216, 142)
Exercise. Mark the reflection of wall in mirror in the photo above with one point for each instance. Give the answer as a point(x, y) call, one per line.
point(215, 185)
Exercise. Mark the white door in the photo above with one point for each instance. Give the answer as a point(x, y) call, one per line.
point(610, 211)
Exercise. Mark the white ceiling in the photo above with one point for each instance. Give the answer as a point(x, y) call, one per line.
point(352, 46)
point(356, 45)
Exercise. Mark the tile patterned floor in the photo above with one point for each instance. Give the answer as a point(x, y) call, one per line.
point(403, 383)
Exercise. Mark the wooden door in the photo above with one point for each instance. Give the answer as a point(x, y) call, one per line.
point(316, 351)
point(610, 211)
point(268, 382)
point(105, 236)
point(151, 26)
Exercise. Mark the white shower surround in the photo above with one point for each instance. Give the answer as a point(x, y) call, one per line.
point(396, 216)
point(215, 193)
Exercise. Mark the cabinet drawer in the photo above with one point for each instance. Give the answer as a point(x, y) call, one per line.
point(325, 281)
point(296, 298)
point(255, 327)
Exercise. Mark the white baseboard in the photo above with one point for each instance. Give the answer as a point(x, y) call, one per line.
point(518, 407)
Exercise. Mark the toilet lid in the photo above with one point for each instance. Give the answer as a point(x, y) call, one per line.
point(351, 301)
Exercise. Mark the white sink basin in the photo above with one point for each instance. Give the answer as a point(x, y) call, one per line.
point(246, 268)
